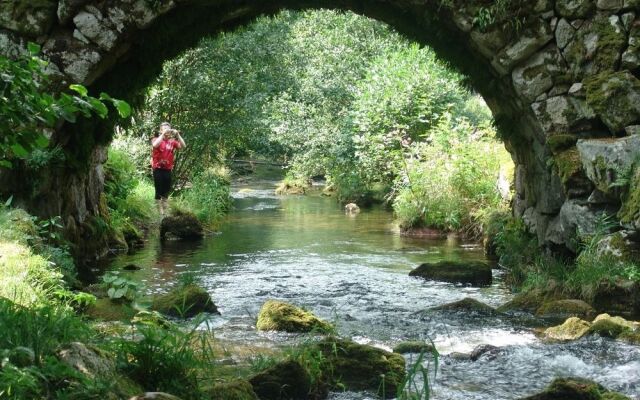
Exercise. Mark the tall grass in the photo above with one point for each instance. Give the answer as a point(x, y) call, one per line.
point(208, 196)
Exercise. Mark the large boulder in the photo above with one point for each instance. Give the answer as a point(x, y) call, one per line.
point(184, 301)
point(88, 361)
point(528, 301)
point(572, 329)
point(283, 381)
point(575, 389)
point(182, 226)
point(354, 366)
point(468, 306)
point(563, 309)
point(280, 316)
point(474, 273)
point(615, 97)
point(614, 327)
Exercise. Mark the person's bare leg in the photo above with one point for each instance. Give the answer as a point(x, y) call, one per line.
point(165, 206)
point(160, 205)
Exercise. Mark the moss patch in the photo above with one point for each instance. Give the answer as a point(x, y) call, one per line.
point(280, 316)
point(559, 142)
point(568, 165)
point(613, 96)
point(527, 301)
point(234, 390)
point(360, 367)
point(564, 309)
point(630, 210)
point(613, 327)
point(107, 310)
point(575, 389)
point(467, 305)
point(185, 302)
point(285, 380)
point(416, 346)
point(572, 329)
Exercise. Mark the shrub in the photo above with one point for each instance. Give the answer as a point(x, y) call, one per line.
point(208, 197)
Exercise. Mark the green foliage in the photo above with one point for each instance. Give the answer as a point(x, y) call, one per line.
point(417, 383)
point(517, 250)
point(28, 111)
point(208, 197)
point(121, 288)
point(167, 359)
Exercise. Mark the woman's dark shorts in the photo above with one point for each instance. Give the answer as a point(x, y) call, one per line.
point(162, 182)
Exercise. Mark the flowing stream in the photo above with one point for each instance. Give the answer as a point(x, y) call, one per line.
point(353, 270)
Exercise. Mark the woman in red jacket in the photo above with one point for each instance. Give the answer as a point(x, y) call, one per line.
point(162, 159)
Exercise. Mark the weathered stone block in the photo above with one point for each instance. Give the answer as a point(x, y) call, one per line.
point(604, 159)
point(536, 75)
point(564, 33)
point(575, 8)
point(530, 41)
point(30, 18)
point(615, 97)
point(610, 5)
point(573, 221)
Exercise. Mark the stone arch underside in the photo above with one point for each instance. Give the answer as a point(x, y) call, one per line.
point(561, 78)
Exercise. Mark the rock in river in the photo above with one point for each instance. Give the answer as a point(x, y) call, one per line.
point(280, 316)
point(182, 226)
point(467, 305)
point(563, 309)
point(285, 380)
point(185, 301)
point(474, 273)
point(575, 389)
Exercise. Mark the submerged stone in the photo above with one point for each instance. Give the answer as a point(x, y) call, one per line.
point(485, 351)
point(466, 305)
point(575, 389)
point(572, 329)
point(474, 273)
point(285, 380)
point(185, 301)
point(354, 366)
point(563, 309)
point(280, 316)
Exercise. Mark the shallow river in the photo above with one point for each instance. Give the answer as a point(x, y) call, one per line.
point(353, 270)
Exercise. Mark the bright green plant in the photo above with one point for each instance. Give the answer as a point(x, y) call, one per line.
point(121, 288)
point(29, 110)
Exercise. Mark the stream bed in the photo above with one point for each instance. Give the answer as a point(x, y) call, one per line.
point(353, 270)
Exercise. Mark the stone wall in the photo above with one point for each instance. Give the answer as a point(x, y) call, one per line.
point(561, 77)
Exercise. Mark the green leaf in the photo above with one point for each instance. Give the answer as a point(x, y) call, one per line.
point(8, 202)
point(33, 48)
point(98, 107)
point(119, 293)
point(111, 292)
point(124, 109)
point(5, 164)
point(41, 141)
point(18, 150)
point(80, 89)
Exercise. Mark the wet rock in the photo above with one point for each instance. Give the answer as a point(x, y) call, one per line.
point(416, 346)
point(234, 390)
point(572, 329)
point(88, 361)
point(22, 356)
point(487, 351)
point(460, 356)
point(351, 208)
point(285, 380)
point(280, 316)
point(575, 389)
point(184, 301)
point(528, 301)
point(183, 226)
point(563, 309)
point(474, 273)
point(467, 305)
point(155, 396)
point(360, 367)
point(619, 298)
point(612, 327)
point(573, 9)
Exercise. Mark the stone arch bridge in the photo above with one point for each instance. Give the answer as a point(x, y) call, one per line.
point(561, 77)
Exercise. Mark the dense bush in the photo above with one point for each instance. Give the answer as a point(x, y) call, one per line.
point(208, 196)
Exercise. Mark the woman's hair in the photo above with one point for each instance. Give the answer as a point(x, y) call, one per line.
point(168, 125)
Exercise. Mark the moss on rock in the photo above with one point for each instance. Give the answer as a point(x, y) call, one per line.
point(572, 329)
point(107, 310)
point(184, 225)
point(613, 327)
point(185, 301)
point(280, 316)
point(234, 390)
point(474, 273)
point(563, 309)
point(615, 97)
point(528, 301)
point(569, 166)
point(285, 380)
point(629, 213)
point(359, 367)
point(559, 142)
point(413, 346)
point(575, 389)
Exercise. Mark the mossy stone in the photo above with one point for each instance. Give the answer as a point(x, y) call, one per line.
point(559, 142)
point(107, 310)
point(629, 213)
point(184, 301)
point(360, 367)
point(615, 97)
point(572, 329)
point(608, 326)
point(575, 389)
point(285, 380)
point(563, 309)
point(413, 346)
point(466, 305)
point(474, 273)
point(526, 301)
point(235, 390)
point(183, 226)
point(280, 316)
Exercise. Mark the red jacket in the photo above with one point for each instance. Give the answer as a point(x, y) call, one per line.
point(162, 156)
